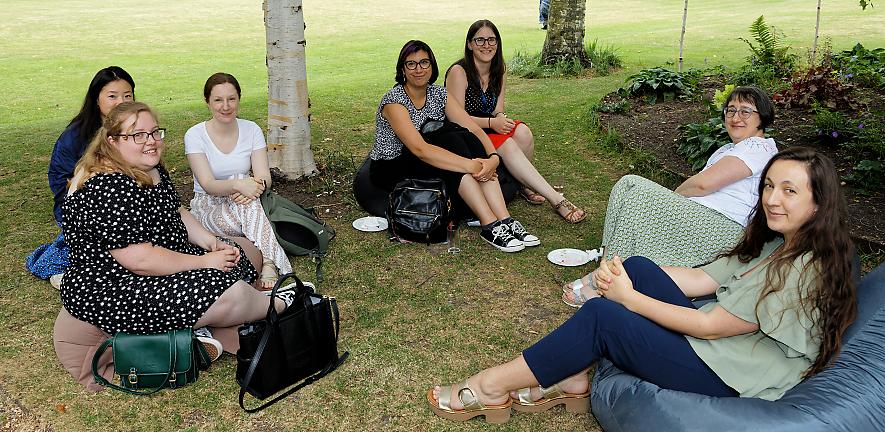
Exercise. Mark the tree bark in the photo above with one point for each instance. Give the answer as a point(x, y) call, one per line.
point(816, 34)
point(682, 35)
point(288, 106)
point(565, 33)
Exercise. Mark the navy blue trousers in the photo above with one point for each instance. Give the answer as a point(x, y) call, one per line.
point(635, 344)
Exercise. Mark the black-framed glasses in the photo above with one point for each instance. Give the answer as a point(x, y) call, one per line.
point(744, 113)
point(412, 65)
point(481, 41)
point(142, 137)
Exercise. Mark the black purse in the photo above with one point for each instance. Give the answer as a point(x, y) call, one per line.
point(299, 344)
point(419, 210)
point(148, 363)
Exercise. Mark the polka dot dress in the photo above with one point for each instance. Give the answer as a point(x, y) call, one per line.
point(479, 103)
point(111, 211)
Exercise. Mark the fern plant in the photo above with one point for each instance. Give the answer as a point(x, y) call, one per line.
point(768, 52)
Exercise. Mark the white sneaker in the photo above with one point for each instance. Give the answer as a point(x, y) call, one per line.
point(213, 346)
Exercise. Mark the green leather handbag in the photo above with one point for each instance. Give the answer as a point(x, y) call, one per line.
point(148, 363)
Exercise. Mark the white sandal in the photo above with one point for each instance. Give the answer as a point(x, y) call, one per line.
point(576, 286)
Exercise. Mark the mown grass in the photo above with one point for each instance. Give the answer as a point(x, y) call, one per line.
point(410, 319)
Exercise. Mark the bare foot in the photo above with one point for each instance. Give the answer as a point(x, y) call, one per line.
point(269, 275)
point(570, 212)
point(480, 394)
point(575, 384)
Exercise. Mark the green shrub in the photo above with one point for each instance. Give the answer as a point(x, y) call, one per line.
point(698, 141)
point(867, 176)
point(658, 83)
point(768, 51)
point(720, 96)
point(831, 127)
point(616, 107)
point(862, 66)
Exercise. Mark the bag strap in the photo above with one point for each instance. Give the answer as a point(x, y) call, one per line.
point(101, 380)
point(307, 381)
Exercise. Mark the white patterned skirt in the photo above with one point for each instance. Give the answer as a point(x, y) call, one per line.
point(645, 218)
point(222, 216)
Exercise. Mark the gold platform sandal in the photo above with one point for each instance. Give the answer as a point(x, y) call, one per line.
point(472, 406)
point(551, 397)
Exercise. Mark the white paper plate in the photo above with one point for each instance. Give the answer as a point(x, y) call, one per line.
point(370, 224)
point(569, 257)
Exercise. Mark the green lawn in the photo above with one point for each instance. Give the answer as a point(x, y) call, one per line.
point(410, 319)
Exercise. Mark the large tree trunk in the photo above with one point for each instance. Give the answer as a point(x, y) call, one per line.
point(565, 32)
point(288, 107)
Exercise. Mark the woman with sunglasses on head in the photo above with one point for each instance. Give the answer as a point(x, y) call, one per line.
point(109, 87)
point(784, 297)
point(228, 157)
point(467, 166)
point(477, 84)
point(140, 262)
point(706, 214)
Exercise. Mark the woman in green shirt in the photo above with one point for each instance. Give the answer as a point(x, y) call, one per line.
point(784, 297)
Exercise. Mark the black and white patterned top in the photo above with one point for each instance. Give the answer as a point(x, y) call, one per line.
point(111, 211)
point(387, 144)
point(479, 103)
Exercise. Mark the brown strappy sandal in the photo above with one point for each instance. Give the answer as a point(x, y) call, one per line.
point(572, 210)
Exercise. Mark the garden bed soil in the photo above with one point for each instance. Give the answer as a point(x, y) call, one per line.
point(654, 129)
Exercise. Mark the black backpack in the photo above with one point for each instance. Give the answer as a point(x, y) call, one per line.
point(419, 210)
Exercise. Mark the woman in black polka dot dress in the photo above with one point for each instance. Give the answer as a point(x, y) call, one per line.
point(140, 263)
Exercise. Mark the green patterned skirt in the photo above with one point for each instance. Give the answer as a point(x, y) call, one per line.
point(645, 218)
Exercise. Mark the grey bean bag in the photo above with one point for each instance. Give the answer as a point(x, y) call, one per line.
point(849, 396)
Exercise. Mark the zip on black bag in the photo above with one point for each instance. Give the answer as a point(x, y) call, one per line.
point(299, 344)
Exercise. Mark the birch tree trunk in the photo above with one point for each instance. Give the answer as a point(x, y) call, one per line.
point(682, 36)
point(288, 106)
point(565, 32)
point(816, 34)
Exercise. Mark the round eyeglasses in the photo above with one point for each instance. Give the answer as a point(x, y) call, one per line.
point(142, 137)
point(743, 113)
point(412, 65)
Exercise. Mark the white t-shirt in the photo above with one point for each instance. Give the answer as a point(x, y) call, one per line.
point(737, 200)
point(225, 165)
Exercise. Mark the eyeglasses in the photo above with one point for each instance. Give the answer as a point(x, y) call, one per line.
point(744, 113)
point(142, 137)
point(412, 65)
point(481, 41)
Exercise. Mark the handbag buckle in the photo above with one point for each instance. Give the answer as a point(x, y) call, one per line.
point(132, 377)
point(172, 380)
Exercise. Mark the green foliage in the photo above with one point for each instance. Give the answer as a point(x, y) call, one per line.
point(768, 50)
point(864, 3)
point(604, 61)
point(658, 83)
point(698, 141)
point(620, 106)
point(832, 127)
point(818, 85)
point(862, 66)
point(867, 175)
point(720, 96)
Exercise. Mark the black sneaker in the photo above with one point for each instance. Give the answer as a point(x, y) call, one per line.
point(500, 237)
point(521, 234)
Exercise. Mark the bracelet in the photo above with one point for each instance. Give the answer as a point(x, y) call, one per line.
point(494, 154)
point(490, 122)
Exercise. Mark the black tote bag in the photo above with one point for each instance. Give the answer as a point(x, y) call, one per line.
point(300, 344)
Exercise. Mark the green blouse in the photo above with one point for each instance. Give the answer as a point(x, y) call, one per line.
point(765, 363)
